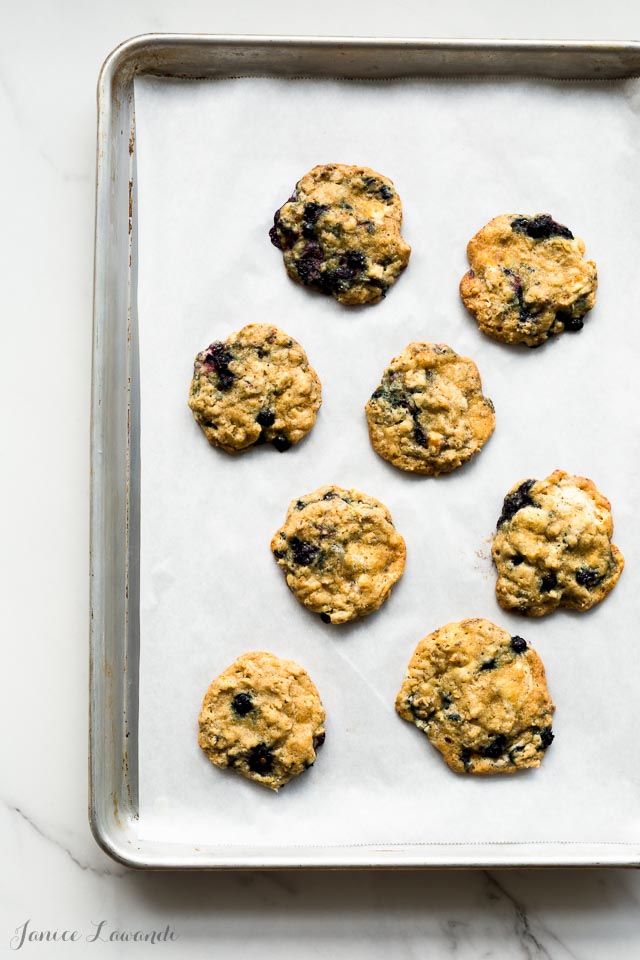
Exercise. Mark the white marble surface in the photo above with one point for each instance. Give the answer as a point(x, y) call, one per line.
point(53, 874)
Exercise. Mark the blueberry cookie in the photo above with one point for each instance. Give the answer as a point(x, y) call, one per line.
point(429, 414)
point(480, 696)
point(262, 717)
point(257, 386)
point(340, 553)
point(528, 279)
point(340, 233)
point(552, 547)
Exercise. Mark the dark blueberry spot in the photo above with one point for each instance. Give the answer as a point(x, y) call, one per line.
point(515, 280)
point(489, 665)
point(266, 418)
point(546, 737)
point(273, 233)
point(540, 228)
point(446, 701)
point(309, 266)
point(588, 577)
point(319, 739)
point(516, 501)
point(465, 757)
point(219, 358)
point(242, 704)
point(349, 266)
point(517, 560)
point(573, 324)
point(377, 393)
point(548, 582)
point(331, 496)
point(518, 289)
point(518, 644)
point(260, 760)
point(281, 443)
point(418, 435)
point(368, 225)
point(513, 752)
point(385, 192)
point(279, 554)
point(303, 553)
point(448, 740)
point(325, 618)
point(496, 748)
point(281, 237)
point(300, 504)
point(453, 716)
point(311, 214)
point(354, 261)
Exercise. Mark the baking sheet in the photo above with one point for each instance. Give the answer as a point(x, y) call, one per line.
point(214, 160)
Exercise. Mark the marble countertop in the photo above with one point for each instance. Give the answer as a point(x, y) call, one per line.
point(55, 880)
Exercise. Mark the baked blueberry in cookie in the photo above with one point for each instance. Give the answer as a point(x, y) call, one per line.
point(257, 386)
point(553, 548)
point(528, 279)
point(340, 553)
point(339, 233)
point(480, 696)
point(429, 414)
point(263, 718)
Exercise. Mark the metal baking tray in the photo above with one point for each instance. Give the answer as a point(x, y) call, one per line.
point(115, 456)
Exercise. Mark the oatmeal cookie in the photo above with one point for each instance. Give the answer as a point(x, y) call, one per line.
point(340, 552)
point(429, 414)
point(263, 717)
point(553, 546)
point(480, 696)
point(257, 386)
point(528, 279)
point(340, 233)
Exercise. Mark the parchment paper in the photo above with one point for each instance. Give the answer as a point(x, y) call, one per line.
point(214, 160)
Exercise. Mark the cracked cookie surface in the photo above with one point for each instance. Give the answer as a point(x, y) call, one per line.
point(340, 233)
point(528, 279)
point(257, 386)
point(480, 696)
point(553, 546)
point(340, 553)
point(263, 718)
point(429, 414)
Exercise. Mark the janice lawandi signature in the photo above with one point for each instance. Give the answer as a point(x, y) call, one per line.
point(101, 933)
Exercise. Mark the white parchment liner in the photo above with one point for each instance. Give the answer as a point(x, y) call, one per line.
point(214, 160)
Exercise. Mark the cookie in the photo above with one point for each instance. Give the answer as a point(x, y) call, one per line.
point(340, 233)
point(480, 696)
point(528, 279)
point(262, 717)
point(429, 414)
point(340, 553)
point(552, 547)
point(257, 386)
